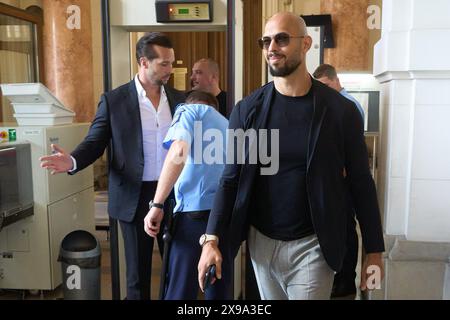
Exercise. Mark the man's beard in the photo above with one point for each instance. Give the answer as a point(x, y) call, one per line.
point(160, 82)
point(286, 70)
point(157, 81)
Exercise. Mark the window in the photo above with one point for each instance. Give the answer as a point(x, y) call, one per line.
point(19, 61)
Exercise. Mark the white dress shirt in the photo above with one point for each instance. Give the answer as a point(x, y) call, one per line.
point(155, 125)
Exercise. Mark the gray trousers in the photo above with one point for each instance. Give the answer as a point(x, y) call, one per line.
point(290, 270)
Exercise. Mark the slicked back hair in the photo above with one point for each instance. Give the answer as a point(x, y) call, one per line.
point(144, 47)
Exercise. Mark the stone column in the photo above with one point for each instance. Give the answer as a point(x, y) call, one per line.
point(411, 63)
point(68, 55)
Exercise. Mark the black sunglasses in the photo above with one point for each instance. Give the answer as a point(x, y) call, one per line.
point(281, 39)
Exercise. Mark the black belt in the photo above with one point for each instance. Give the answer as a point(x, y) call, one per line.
point(149, 182)
point(197, 215)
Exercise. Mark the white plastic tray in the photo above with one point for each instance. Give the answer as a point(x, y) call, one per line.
point(28, 96)
point(24, 119)
point(39, 108)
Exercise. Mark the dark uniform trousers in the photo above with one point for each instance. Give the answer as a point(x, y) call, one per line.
point(185, 251)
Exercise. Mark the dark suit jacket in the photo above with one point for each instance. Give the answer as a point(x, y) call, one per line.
point(117, 124)
point(336, 142)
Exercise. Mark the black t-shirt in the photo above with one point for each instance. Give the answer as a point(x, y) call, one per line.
point(280, 203)
point(222, 99)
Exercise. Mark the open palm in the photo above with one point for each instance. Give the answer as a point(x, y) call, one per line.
point(58, 162)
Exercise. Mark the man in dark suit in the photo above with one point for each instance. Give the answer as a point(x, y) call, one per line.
point(294, 218)
point(133, 121)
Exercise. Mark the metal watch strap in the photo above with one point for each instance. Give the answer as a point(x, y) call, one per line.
point(205, 238)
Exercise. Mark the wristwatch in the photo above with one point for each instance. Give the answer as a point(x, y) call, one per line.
point(208, 237)
point(152, 204)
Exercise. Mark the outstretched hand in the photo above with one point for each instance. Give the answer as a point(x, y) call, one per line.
point(58, 162)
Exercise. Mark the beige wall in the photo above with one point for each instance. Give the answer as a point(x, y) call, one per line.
point(13, 69)
point(302, 7)
point(28, 3)
point(14, 3)
point(306, 7)
point(22, 4)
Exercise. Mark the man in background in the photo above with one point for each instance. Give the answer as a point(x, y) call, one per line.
point(205, 77)
point(327, 74)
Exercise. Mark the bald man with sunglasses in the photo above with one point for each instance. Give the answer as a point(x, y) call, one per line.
point(295, 220)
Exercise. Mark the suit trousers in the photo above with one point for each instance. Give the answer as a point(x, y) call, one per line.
point(139, 247)
point(290, 270)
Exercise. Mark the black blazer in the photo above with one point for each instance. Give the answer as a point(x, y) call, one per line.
point(117, 124)
point(336, 142)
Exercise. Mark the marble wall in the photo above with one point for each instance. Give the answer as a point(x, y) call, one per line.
point(350, 32)
point(68, 55)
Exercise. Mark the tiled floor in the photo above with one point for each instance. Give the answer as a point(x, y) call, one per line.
point(106, 293)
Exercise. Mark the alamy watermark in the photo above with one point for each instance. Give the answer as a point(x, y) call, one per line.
point(373, 281)
point(74, 17)
point(73, 281)
point(238, 147)
point(374, 19)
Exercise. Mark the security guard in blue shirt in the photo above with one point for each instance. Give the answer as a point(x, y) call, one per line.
point(196, 142)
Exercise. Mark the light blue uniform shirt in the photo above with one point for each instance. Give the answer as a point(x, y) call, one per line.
point(204, 129)
point(352, 98)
